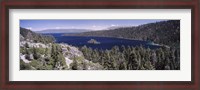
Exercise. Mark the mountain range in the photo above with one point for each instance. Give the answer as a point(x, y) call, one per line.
point(64, 31)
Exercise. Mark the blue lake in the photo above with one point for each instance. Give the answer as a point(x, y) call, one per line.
point(105, 42)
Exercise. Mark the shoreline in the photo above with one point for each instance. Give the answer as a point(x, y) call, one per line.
point(151, 43)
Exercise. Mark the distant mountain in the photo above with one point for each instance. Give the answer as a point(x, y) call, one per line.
point(64, 31)
point(164, 32)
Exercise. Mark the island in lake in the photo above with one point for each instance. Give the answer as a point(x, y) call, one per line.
point(93, 41)
point(100, 45)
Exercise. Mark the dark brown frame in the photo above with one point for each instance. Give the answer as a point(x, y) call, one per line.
point(189, 4)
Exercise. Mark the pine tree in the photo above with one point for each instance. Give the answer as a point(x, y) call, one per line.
point(133, 63)
point(26, 45)
point(75, 64)
point(36, 55)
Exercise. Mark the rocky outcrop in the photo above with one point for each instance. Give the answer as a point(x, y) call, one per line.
point(40, 52)
point(68, 51)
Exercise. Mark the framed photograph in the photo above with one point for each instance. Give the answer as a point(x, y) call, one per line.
point(100, 45)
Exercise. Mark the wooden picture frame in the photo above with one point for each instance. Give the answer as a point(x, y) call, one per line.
point(137, 85)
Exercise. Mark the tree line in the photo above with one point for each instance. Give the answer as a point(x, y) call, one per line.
point(163, 32)
point(134, 58)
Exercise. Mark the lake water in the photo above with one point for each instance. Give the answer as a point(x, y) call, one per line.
point(105, 42)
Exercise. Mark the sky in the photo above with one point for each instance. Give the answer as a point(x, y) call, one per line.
point(38, 25)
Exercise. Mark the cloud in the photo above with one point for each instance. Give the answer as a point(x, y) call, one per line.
point(57, 27)
point(94, 26)
point(44, 28)
point(30, 28)
point(113, 25)
point(60, 27)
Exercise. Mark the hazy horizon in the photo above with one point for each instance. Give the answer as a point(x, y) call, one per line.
point(40, 25)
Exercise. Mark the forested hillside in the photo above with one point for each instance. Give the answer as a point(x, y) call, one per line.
point(164, 32)
point(40, 52)
point(34, 37)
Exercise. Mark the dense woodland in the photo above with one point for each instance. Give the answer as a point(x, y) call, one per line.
point(134, 58)
point(164, 32)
